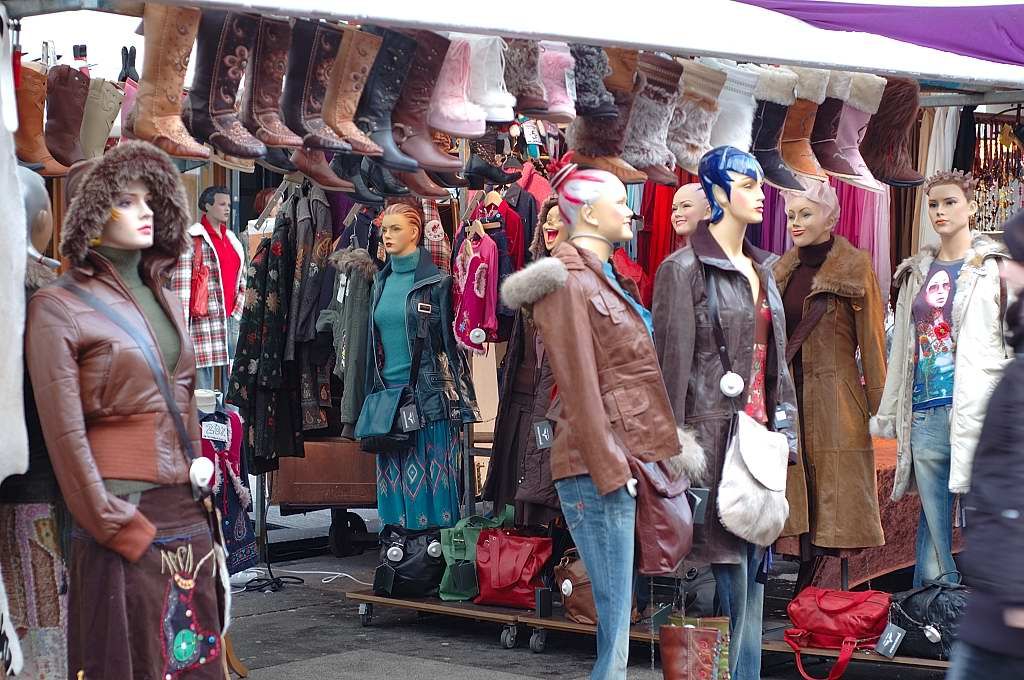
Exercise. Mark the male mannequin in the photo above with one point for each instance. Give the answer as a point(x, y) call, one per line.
point(582, 310)
point(215, 332)
point(950, 297)
point(754, 329)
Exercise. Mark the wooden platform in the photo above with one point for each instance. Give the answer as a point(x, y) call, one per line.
point(772, 641)
point(637, 633)
point(465, 610)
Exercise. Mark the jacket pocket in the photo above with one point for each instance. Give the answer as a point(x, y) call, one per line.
point(95, 367)
point(609, 307)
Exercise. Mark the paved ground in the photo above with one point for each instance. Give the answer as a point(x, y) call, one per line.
point(312, 632)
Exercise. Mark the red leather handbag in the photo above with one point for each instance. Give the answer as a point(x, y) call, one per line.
point(199, 299)
point(836, 619)
point(664, 522)
point(508, 567)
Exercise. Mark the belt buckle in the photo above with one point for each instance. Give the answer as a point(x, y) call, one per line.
point(424, 307)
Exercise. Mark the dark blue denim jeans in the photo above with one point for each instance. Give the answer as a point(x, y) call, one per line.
point(742, 600)
point(603, 528)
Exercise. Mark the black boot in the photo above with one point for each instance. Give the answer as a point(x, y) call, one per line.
point(278, 160)
point(381, 93)
point(769, 119)
point(312, 51)
point(346, 166)
point(380, 180)
point(480, 168)
point(452, 180)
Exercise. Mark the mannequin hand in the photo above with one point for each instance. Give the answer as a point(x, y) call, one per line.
point(1014, 617)
point(631, 487)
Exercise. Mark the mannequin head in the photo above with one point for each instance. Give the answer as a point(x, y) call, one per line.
point(732, 181)
point(951, 204)
point(593, 204)
point(38, 217)
point(130, 226)
point(401, 227)
point(553, 228)
point(811, 214)
point(689, 206)
point(215, 204)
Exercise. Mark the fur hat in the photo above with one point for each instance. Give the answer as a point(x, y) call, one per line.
point(95, 187)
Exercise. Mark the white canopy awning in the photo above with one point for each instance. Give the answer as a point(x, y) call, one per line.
point(709, 27)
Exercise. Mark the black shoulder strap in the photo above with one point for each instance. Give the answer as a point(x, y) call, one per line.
point(147, 351)
point(716, 322)
point(815, 312)
point(423, 310)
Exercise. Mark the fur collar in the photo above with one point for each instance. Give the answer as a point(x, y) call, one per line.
point(535, 282)
point(97, 188)
point(842, 273)
point(37, 275)
point(355, 261)
point(982, 248)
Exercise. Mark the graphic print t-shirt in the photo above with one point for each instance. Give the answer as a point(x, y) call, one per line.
point(933, 322)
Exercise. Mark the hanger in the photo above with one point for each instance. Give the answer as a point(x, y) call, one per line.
point(476, 228)
point(494, 198)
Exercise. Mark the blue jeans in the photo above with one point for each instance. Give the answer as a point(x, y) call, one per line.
point(974, 663)
point(742, 600)
point(929, 446)
point(603, 528)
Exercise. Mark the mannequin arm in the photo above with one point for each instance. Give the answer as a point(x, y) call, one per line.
point(870, 322)
point(883, 423)
point(564, 323)
point(52, 352)
point(181, 282)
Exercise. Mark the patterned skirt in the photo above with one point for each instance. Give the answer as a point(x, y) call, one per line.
point(419, 488)
point(159, 618)
point(34, 575)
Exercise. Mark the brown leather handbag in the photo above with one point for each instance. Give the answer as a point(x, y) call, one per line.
point(199, 299)
point(664, 522)
point(689, 653)
point(572, 580)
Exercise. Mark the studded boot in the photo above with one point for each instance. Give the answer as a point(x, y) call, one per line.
point(409, 118)
point(156, 118)
point(264, 78)
point(383, 88)
point(225, 44)
point(358, 51)
point(313, 51)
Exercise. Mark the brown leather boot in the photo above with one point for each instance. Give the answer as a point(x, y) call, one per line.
point(313, 164)
point(169, 33)
point(225, 42)
point(796, 134)
point(28, 140)
point(348, 78)
point(886, 145)
point(101, 109)
point(310, 58)
point(421, 185)
point(409, 119)
point(67, 90)
point(264, 77)
point(688, 653)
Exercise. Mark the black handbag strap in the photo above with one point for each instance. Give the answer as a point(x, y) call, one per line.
point(423, 310)
point(146, 348)
point(716, 324)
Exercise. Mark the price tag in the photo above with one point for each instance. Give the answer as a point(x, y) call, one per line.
point(890, 640)
point(781, 420)
point(544, 434)
point(570, 83)
point(530, 133)
point(410, 418)
point(698, 503)
point(216, 432)
point(342, 286)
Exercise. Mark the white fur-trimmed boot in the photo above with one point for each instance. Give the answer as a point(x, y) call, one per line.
point(735, 105)
point(487, 79)
point(695, 113)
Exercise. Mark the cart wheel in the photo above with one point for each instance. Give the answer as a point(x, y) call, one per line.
point(342, 528)
point(538, 641)
point(365, 614)
point(508, 636)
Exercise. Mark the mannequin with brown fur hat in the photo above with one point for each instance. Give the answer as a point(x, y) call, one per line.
point(144, 569)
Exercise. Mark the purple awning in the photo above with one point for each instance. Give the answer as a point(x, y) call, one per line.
point(992, 32)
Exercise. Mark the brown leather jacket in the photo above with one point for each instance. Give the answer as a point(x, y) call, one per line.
point(102, 414)
point(613, 402)
point(692, 368)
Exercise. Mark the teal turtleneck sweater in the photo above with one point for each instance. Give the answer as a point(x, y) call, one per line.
point(126, 262)
point(390, 319)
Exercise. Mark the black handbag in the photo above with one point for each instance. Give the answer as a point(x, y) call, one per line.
point(930, 615)
point(389, 418)
point(411, 562)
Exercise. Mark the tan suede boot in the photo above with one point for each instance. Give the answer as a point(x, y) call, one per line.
point(344, 90)
point(28, 140)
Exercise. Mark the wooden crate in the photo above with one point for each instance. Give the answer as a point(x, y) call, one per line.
point(334, 472)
